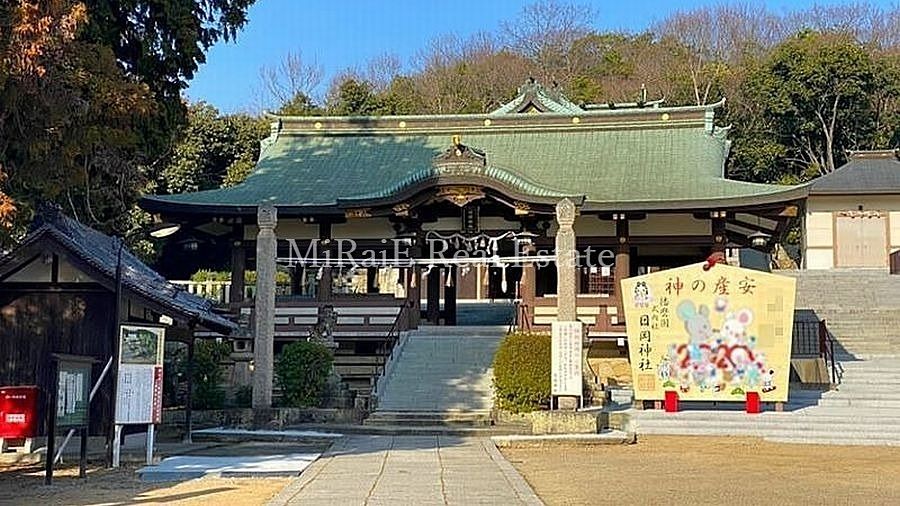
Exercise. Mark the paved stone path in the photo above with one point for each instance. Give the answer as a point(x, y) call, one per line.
point(420, 470)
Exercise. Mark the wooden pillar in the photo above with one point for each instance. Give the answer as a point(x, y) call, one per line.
point(718, 231)
point(372, 280)
point(325, 280)
point(238, 265)
point(414, 295)
point(450, 296)
point(623, 260)
point(433, 309)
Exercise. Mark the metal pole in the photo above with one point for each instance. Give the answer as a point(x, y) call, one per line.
point(113, 433)
point(82, 454)
point(151, 430)
point(51, 422)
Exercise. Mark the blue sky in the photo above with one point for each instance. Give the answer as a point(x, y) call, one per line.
point(345, 33)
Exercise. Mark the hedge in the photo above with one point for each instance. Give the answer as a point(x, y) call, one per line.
point(522, 372)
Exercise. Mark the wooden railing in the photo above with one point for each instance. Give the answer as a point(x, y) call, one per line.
point(220, 291)
point(592, 310)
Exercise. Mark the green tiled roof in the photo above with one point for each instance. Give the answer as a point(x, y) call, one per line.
point(614, 167)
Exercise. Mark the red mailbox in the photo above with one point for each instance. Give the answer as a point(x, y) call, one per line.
point(18, 412)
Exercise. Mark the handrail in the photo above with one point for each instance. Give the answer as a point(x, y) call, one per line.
point(391, 340)
point(826, 351)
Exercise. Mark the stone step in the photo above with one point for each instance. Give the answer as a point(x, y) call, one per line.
point(835, 440)
point(838, 436)
point(831, 416)
point(430, 419)
point(858, 402)
point(757, 429)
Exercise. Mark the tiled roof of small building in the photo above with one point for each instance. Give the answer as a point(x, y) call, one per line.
point(869, 172)
point(100, 251)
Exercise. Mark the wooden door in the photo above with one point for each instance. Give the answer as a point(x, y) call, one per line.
point(861, 240)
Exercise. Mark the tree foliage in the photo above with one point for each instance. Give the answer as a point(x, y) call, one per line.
point(212, 151)
point(90, 99)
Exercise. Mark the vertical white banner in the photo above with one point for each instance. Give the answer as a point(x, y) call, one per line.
point(566, 345)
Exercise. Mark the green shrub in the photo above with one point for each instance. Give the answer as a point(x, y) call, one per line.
point(281, 277)
point(243, 396)
point(302, 370)
point(208, 374)
point(522, 372)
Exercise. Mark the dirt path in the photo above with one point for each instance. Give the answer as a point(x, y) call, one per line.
point(688, 470)
point(25, 485)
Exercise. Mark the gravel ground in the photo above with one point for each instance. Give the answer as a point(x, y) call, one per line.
point(691, 470)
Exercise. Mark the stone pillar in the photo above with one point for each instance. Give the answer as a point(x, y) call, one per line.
point(263, 348)
point(567, 281)
point(566, 263)
point(623, 262)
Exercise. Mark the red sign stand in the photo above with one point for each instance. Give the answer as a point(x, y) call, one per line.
point(753, 402)
point(671, 401)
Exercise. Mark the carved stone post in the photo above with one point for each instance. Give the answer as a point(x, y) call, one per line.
point(263, 348)
point(566, 262)
point(567, 307)
point(623, 263)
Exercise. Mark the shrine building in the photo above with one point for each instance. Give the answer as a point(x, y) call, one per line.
point(446, 212)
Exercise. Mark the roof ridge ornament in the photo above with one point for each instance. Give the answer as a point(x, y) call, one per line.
point(460, 159)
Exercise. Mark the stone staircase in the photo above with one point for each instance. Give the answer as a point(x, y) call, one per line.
point(864, 410)
point(861, 308)
point(441, 382)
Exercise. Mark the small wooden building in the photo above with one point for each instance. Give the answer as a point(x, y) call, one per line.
point(57, 295)
point(853, 214)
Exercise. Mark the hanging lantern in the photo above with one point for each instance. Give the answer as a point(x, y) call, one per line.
point(503, 284)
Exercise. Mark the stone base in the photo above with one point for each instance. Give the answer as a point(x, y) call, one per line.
point(271, 418)
point(561, 422)
point(615, 420)
point(566, 403)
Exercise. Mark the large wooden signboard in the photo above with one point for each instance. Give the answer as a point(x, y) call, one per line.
point(711, 334)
